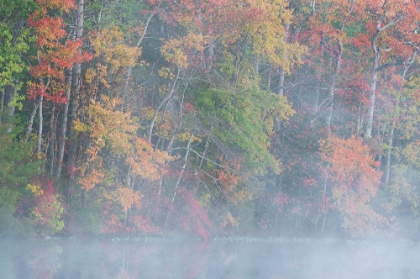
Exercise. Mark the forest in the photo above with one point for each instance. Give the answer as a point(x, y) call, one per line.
point(210, 118)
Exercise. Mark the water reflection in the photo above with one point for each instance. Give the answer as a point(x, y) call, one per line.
point(77, 259)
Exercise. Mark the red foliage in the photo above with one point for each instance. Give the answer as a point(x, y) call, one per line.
point(281, 200)
point(53, 56)
point(194, 217)
point(48, 29)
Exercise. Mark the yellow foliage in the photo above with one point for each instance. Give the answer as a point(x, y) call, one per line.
point(186, 137)
point(109, 45)
point(268, 33)
point(90, 74)
point(242, 195)
point(165, 72)
point(80, 127)
point(35, 190)
point(205, 200)
point(148, 113)
point(114, 130)
point(125, 197)
point(175, 50)
point(230, 220)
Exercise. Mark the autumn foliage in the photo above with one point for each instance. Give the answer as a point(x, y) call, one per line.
point(354, 181)
point(55, 54)
point(209, 117)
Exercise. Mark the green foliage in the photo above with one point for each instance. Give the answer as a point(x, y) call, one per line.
point(17, 161)
point(10, 223)
point(123, 13)
point(47, 216)
point(14, 42)
point(244, 121)
point(88, 219)
point(8, 205)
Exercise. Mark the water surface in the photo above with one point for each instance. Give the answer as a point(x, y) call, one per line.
point(217, 258)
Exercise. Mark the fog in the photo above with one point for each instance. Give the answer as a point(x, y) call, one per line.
point(216, 258)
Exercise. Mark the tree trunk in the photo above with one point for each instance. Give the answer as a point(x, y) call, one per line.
point(187, 153)
point(31, 121)
point(130, 68)
point(3, 93)
point(389, 153)
point(408, 64)
point(52, 141)
point(372, 96)
point(40, 126)
point(63, 130)
point(280, 90)
point(76, 85)
point(12, 107)
point(270, 73)
point(359, 119)
point(167, 98)
point(332, 88)
point(324, 193)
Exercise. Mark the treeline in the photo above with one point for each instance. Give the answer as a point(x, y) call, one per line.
point(209, 117)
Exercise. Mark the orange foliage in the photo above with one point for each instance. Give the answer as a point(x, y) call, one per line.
point(355, 181)
point(352, 166)
point(115, 131)
point(147, 162)
point(125, 197)
point(62, 5)
point(113, 55)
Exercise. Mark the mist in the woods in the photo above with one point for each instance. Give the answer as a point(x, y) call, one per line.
point(287, 122)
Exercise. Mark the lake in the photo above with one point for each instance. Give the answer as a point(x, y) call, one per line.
point(237, 257)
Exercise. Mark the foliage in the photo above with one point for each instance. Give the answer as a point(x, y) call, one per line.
point(53, 57)
point(209, 117)
point(17, 161)
point(244, 120)
point(8, 206)
point(352, 169)
point(47, 211)
point(194, 219)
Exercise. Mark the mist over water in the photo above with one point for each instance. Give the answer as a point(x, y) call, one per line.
point(218, 258)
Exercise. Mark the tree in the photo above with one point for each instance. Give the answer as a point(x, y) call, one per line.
point(352, 169)
point(53, 58)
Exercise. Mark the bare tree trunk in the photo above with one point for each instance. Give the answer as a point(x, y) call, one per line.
point(324, 193)
point(332, 88)
point(280, 90)
point(130, 68)
point(76, 86)
point(3, 93)
point(256, 66)
point(270, 73)
point(31, 121)
point(52, 141)
point(63, 130)
point(389, 153)
point(317, 94)
point(12, 107)
point(40, 126)
point(167, 98)
point(187, 153)
point(374, 78)
point(359, 119)
point(372, 96)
